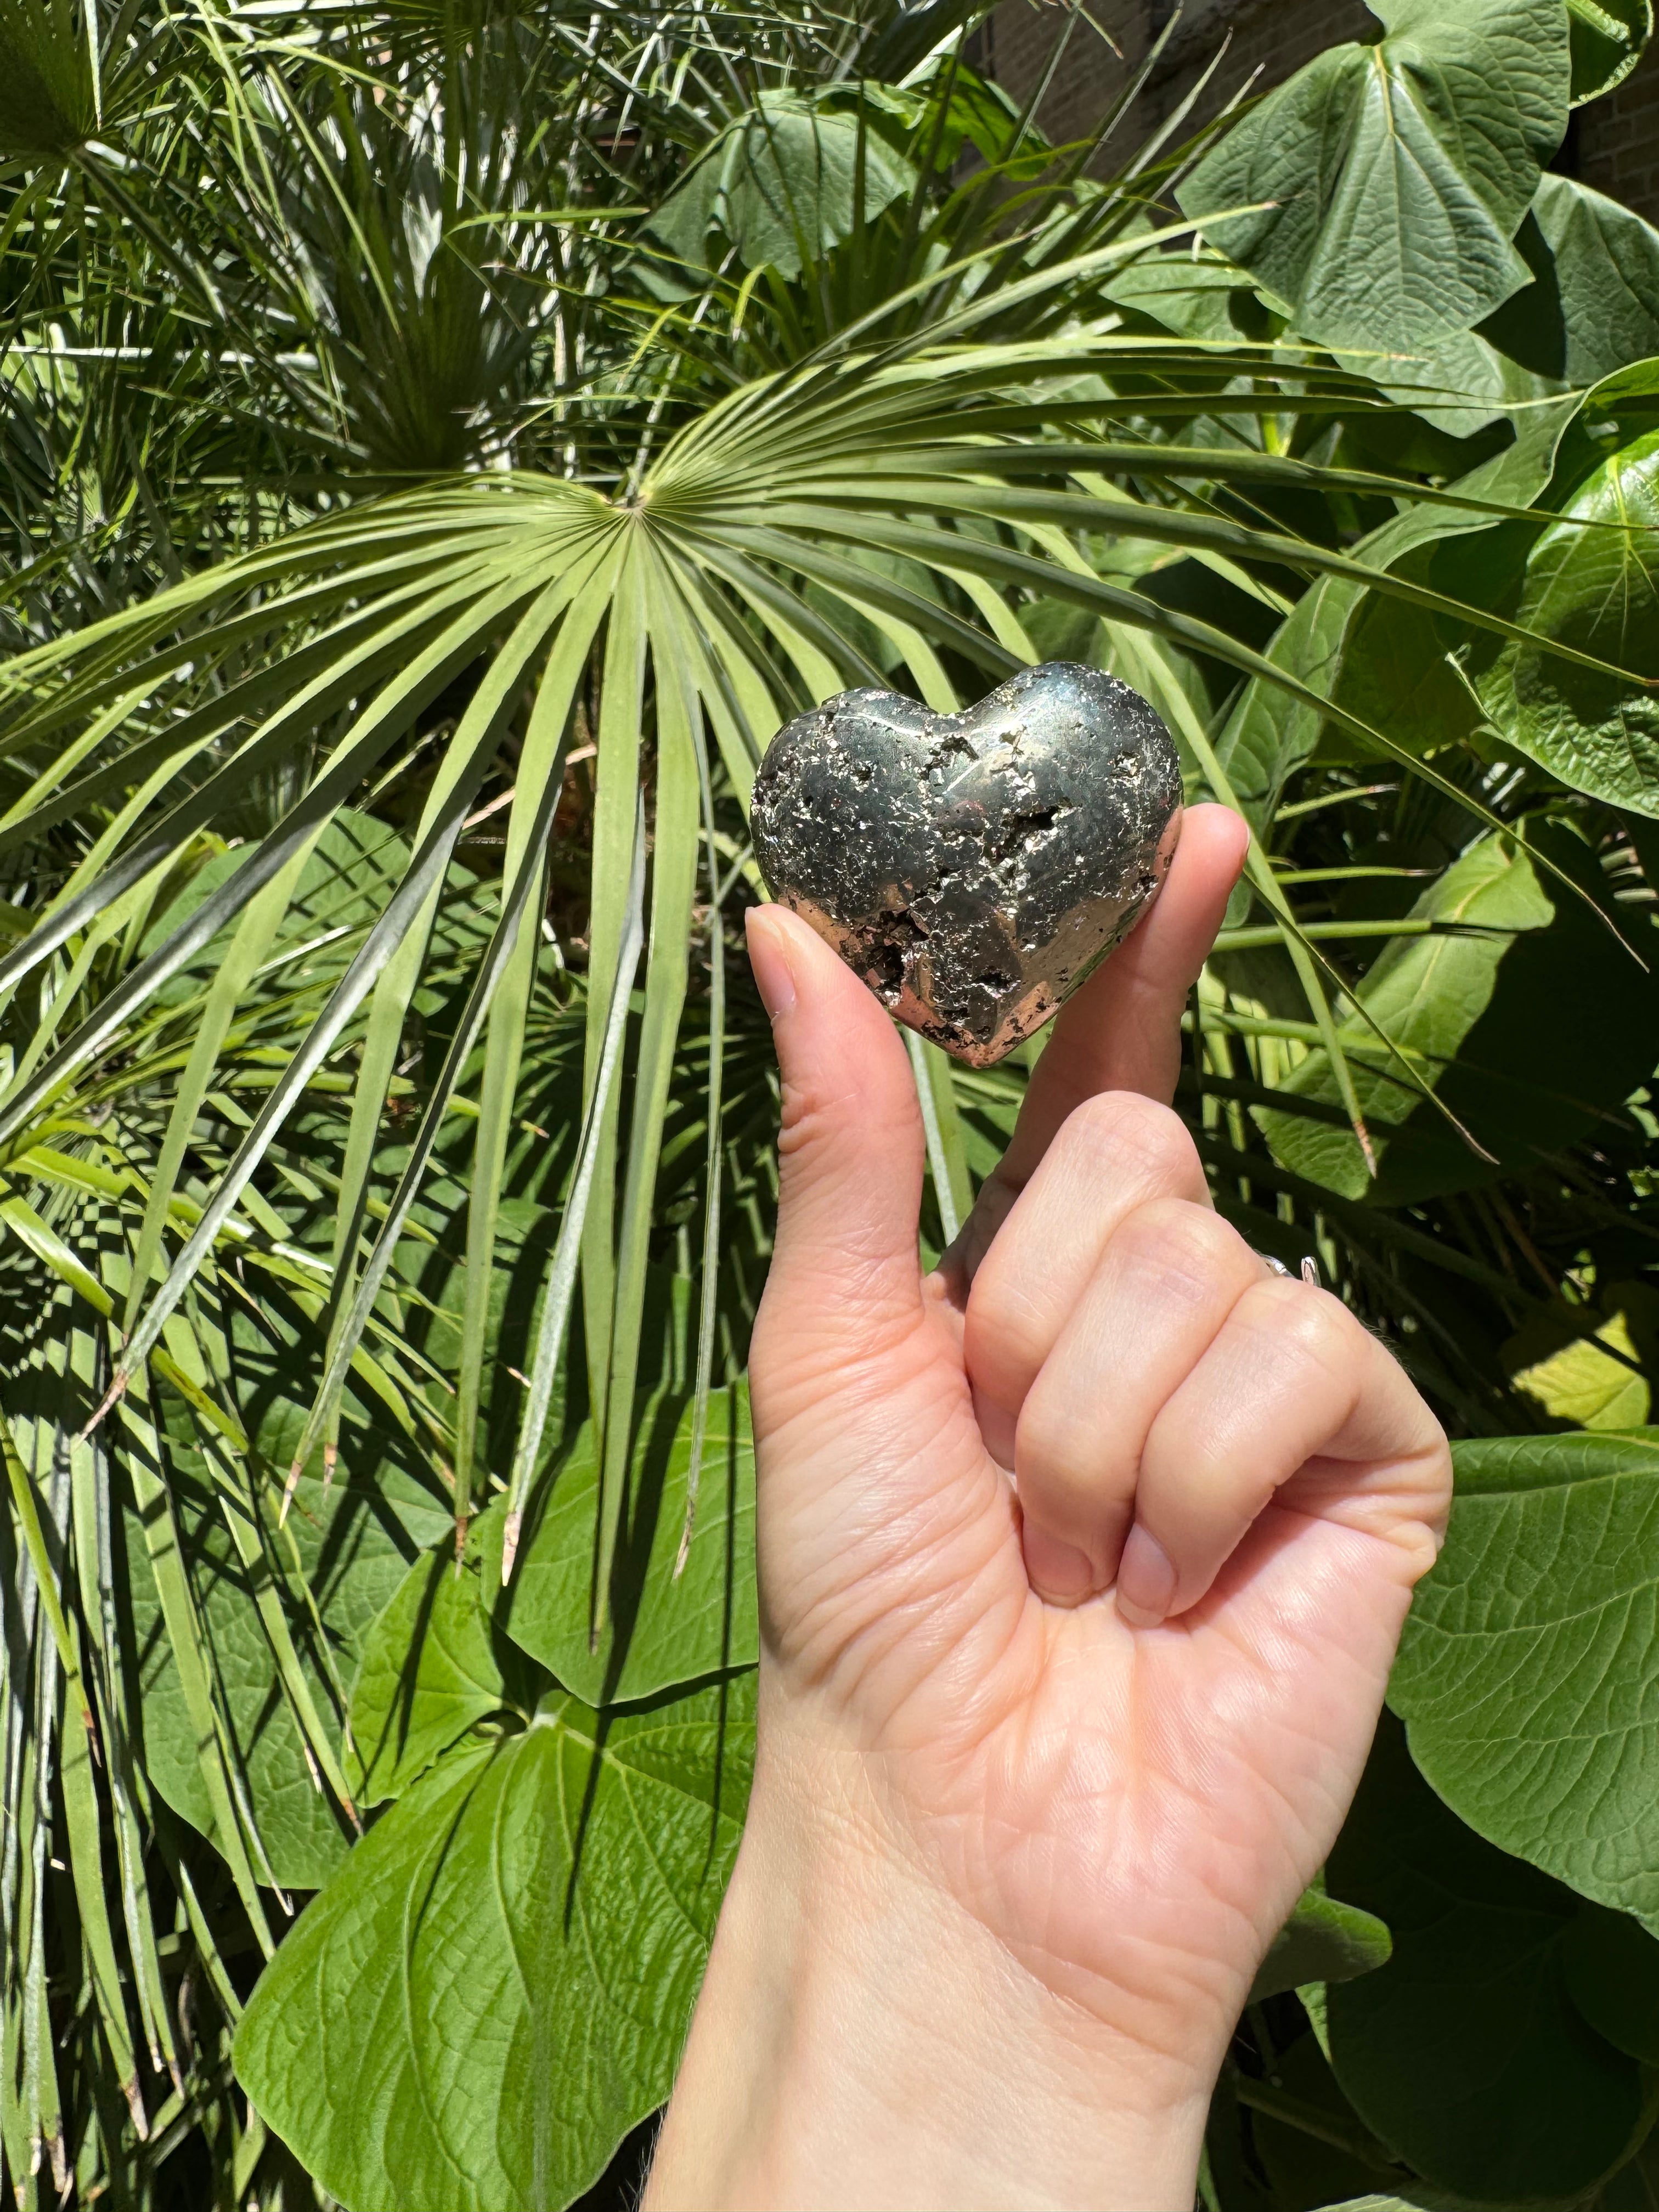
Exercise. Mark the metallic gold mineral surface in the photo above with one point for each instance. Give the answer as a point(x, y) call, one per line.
point(972, 868)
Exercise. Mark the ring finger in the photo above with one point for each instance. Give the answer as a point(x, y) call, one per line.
point(1291, 1384)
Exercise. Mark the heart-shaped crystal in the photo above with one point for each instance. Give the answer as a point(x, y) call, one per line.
point(972, 868)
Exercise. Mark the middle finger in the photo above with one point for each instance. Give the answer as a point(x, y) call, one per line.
point(1167, 1283)
point(1114, 1153)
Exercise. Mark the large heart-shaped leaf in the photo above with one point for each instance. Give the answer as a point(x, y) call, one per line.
point(495, 1986)
point(782, 184)
point(1612, 1973)
point(1529, 1674)
point(1465, 2052)
point(1585, 580)
point(1197, 292)
point(1397, 172)
point(665, 1623)
point(1595, 589)
point(432, 1665)
point(1267, 736)
point(1303, 2169)
point(1468, 383)
point(1593, 304)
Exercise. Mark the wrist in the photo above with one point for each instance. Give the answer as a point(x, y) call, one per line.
point(864, 2039)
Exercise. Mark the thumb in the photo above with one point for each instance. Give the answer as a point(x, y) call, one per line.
point(845, 1283)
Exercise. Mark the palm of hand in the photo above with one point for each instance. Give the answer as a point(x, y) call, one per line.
point(1131, 1814)
point(1129, 1811)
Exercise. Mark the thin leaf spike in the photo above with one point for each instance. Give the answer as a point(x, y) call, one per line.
point(470, 755)
point(538, 782)
point(674, 864)
point(575, 639)
point(709, 1286)
point(617, 768)
point(560, 1290)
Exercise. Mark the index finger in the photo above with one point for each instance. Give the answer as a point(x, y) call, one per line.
point(1123, 1030)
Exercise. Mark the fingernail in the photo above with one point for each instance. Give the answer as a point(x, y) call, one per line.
point(773, 978)
point(1145, 1580)
point(1058, 1570)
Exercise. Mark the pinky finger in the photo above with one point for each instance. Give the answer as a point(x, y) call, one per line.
point(1291, 1386)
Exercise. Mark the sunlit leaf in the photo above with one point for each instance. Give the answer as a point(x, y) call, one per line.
point(431, 1668)
point(662, 1626)
point(1527, 1688)
point(1593, 304)
point(780, 183)
point(1609, 37)
point(1399, 171)
point(495, 1986)
point(1594, 588)
point(1323, 1940)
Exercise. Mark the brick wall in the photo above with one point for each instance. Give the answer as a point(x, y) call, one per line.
point(1017, 42)
point(1612, 144)
point(1264, 42)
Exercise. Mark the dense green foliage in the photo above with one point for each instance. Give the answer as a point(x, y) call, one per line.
point(440, 441)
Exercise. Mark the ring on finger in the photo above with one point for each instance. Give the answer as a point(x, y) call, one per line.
point(1309, 1268)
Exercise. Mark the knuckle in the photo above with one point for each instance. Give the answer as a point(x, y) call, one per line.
point(803, 1119)
point(1307, 1322)
point(1437, 1483)
point(1177, 1247)
point(818, 1117)
point(844, 1375)
point(1119, 1133)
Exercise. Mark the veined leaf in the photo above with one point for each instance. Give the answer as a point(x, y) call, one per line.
point(1597, 589)
point(1267, 737)
point(1558, 1360)
point(432, 1666)
point(1527, 1686)
point(1593, 304)
point(1398, 172)
point(377, 272)
point(1465, 2052)
point(660, 1627)
point(551, 1898)
point(781, 185)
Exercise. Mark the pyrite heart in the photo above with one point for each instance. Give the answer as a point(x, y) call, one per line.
point(972, 868)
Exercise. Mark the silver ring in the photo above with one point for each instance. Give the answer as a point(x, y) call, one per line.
point(1309, 1268)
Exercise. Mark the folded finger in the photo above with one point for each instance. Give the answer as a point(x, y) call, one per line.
point(1166, 1285)
point(1115, 1154)
point(1291, 1385)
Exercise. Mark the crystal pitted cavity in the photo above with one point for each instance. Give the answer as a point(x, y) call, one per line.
point(972, 868)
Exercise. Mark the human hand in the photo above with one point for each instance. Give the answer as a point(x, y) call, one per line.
point(1043, 1764)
